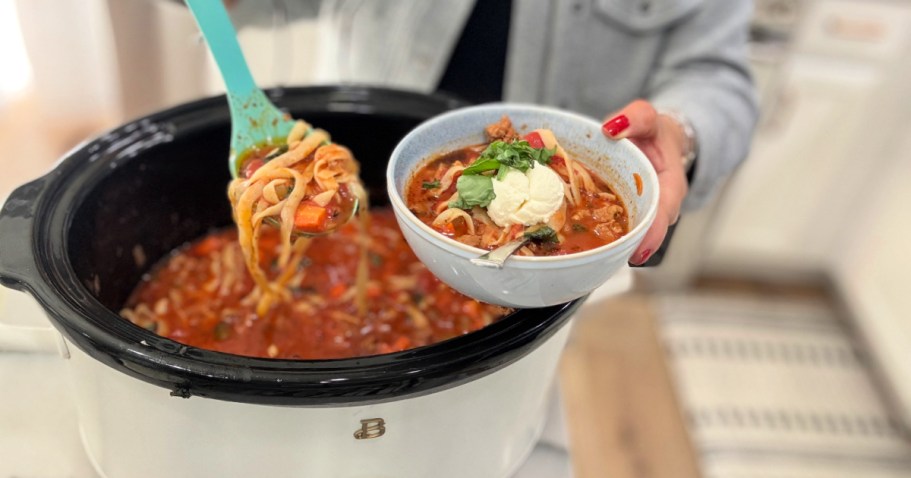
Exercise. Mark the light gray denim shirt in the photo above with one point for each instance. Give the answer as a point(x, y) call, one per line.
point(590, 56)
point(686, 56)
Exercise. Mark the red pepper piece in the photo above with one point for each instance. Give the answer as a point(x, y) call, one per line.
point(534, 140)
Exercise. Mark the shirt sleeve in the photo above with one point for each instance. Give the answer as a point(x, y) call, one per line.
point(703, 75)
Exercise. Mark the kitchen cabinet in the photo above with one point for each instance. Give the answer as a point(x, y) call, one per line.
point(824, 194)
point(786, 212)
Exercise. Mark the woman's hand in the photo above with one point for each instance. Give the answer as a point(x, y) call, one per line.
point(662, 139)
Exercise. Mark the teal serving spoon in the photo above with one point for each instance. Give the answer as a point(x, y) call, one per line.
point(254, 119)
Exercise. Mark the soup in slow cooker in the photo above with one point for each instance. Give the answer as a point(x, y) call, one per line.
point(202, 295)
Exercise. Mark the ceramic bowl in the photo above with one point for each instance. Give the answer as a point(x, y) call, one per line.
point(524, 281)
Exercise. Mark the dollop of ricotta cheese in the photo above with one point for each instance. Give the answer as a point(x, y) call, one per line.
point(527, 198)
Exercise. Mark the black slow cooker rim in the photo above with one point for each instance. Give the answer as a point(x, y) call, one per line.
point(189, 371)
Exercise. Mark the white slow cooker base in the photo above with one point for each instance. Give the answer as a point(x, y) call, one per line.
point(531, 446)
point(512, 473)
point(485, 428)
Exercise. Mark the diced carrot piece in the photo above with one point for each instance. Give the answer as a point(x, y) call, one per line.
point(310, 218)
point(337, 290)
point(401, 343)
point(534, 140)
point(374, 291)
point(472, 309)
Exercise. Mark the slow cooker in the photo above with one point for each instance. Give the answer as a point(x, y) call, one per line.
point(81, 237)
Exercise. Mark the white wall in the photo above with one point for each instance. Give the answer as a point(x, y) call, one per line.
point(162, 60)
point(68, 45)
point(874, 276)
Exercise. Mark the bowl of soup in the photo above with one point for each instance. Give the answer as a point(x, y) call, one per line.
point(129, 246)
point(474, 179)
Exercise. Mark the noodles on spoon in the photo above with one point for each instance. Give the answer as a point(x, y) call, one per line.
point(308, 186)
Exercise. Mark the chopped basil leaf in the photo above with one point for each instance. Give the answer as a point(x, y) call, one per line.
point(376, 260)
point(431, 184)
point(222, 331)
point(517, 154)
point(480, 165)
point(473, 191)
point(543, 155)
point(542, 234)
point(501, 173)
point(579, 228)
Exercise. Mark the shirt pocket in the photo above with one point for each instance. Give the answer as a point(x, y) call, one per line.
point(644, 16)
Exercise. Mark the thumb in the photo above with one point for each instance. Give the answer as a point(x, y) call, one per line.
point(636, 120)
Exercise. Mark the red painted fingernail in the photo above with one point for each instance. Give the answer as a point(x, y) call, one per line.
point(644, 256)
point(615, 125)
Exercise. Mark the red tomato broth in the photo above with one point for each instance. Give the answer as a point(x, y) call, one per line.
point(588, 225)
point(320, 320)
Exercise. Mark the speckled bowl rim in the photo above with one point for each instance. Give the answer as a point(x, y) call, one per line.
point(464, 250)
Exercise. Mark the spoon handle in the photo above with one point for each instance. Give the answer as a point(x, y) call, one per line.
point(497, 257)
point(254, 119)
point(219, 33)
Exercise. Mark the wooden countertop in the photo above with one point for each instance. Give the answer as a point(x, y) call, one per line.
point(623, 416)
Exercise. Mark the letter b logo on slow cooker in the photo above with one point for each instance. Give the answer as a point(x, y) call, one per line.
point(370, 428)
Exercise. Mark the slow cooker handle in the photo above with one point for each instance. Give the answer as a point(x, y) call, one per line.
point(19, 270)
point(18, 267)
